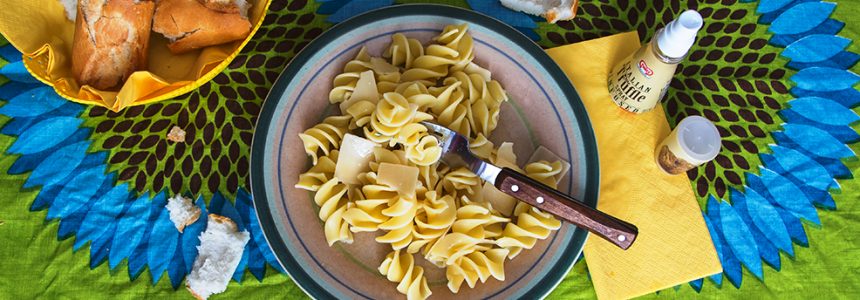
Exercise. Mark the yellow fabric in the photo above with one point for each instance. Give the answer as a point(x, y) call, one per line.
point(673, 246)
point(41, 31)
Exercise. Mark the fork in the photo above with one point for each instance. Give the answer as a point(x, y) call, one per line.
point(455, 153)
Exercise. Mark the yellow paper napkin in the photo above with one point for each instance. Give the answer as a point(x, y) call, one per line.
point(673, 246)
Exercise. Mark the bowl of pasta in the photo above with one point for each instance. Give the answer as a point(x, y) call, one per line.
point(346, 180)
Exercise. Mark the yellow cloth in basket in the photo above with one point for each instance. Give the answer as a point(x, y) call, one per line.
point(673, 246)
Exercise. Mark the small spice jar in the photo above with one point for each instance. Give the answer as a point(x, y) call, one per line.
point(693, 142)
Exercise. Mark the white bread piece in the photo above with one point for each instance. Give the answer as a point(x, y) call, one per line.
point(182, 211)
point(111, 41)
point(219, 253)
point(552, 10)
point(71, 7)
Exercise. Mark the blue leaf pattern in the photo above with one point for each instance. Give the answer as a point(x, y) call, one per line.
point(58, 165)
point(837, 79)
point(731, 264)
point(355, 7)
point(162, 244)
point(44, 135)
point(824, 111)
point(803, 168)
point(767, 6)
point(104, 211)
point(17, 72)
point(766, 219)
point(817, 141)
point(718, 246)
point(812, 14)
point(33, 102)
point(130, 229)
point(740, 241)
point(76, 193)
point(829, 26)
point(191, 234)
point(815, 48)
point(790, 197)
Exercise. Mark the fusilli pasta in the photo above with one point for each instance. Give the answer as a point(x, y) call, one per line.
point(448, 215)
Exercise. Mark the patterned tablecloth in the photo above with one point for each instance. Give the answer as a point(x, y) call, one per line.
point(82, 189)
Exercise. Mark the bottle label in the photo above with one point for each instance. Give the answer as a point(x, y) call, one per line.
point(638, 82)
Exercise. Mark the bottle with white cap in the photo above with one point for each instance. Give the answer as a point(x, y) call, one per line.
point(639, 81)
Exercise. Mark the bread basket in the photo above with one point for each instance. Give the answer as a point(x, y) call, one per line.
point(43, 33)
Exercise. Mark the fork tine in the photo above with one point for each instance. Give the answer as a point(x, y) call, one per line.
point(436, 128)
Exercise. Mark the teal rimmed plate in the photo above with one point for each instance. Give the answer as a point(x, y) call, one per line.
point(544, 110)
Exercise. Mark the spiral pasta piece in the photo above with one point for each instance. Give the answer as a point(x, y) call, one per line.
point(450, 108)
point(484, 98)
point(545, 172)
point(455, 37)
point(478, 265)
point(401, 212)
point(344, 83)
point(318, 174)
point(330, 198)
point(532, 225)
point(410, 278)
point(393, 113)
point(451, 247)
point(402, 51)
point(433, 220)
point(461, 180)
point(424, 153)
point(325, 136)
point(367, 212)
point(482, 147)
point(360, 113)
point(418, 94)
point(429, 176)
point(472, 219)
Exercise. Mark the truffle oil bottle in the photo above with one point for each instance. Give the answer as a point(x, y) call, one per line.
point(639, 81)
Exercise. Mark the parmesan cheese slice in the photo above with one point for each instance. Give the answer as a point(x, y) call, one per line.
point(545, 154)
point(504, 157)
point(365, 89)
point(502, 202)
point(403, 178)
point(354, 158)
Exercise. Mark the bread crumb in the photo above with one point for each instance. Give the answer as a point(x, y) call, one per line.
point(182, 211)
point(176, 134)
point(219, 253)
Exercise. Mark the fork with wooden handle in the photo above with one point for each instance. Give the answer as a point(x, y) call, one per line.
point(455, 152)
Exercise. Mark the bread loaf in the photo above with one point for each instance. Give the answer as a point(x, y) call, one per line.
point(111, 41)
point(195, 24)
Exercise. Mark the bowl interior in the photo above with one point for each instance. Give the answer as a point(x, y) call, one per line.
point(538, 114)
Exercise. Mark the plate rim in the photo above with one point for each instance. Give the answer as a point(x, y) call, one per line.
point(569, 256)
